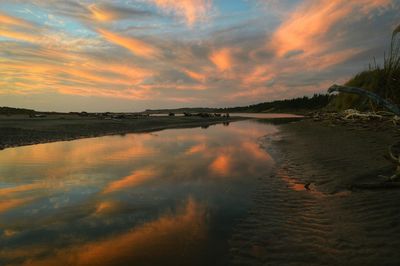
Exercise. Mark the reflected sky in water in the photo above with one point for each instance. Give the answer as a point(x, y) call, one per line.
point(172, 195)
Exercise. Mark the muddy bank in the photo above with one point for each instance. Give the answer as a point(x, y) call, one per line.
point(22, 130)
point(326, 224)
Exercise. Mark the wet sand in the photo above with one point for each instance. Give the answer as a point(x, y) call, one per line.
point(328, 223)
point(20, 130)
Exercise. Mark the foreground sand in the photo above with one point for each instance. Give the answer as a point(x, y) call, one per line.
point(339, 155)
point(21, 130)
point(329, 224)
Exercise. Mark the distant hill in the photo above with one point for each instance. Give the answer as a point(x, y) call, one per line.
point(317, 101)
point(296, 105)
point(15, 111)
point(182, 110)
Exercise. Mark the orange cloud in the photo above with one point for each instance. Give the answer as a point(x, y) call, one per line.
point(8, 204)
point(259, 75)
point(311, 38)
point(303, 29)
point(136, 46)
point(73, 73)
point(195, 75)
point(202, 147)
point(334, 58)
point(191, 10)
point(18, 29)
point(165, 238)
point(4, 192)
point(221, 165)
point(135, 179)
point(255, 151)
point(101, 14)
point(222, 59)
point(18, 35)
point(306, 41)
point(107, 207)
point(135, 94)
point(10, 20)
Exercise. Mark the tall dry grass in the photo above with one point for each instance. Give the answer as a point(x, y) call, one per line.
point(391, 68)
point(383, 80)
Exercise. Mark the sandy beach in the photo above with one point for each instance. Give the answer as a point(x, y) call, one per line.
point(339, 155)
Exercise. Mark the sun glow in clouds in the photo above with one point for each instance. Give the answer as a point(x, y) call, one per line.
point(160, 53)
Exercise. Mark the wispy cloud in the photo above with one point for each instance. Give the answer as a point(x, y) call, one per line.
point(136, 46)
point(14, 21)
point(191, 10)
point(248, 51)
point(309, 28)
point(106, 12)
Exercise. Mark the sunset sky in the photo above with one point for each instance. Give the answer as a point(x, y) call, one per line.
point(131, 55)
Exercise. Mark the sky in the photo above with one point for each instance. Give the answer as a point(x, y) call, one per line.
point(132, 55)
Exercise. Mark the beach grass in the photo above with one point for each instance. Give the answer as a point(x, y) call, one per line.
point(381, 79)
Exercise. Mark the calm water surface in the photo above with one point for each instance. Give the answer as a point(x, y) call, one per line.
point(170, 197)
point(266, 115)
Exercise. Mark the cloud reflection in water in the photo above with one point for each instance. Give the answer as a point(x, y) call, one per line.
point(119, 199)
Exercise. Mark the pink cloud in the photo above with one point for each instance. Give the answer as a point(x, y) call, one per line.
point(136, 46)
point(306, 27)
point(222, 59)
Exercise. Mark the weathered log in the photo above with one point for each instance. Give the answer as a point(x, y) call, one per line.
point(373, 96)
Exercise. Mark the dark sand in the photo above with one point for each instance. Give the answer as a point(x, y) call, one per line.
point(338, 155)
point(328, 224)
point(19, 130)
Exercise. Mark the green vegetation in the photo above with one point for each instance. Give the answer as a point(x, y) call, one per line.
point(296, 105)
point(383, 80)
point(317, 101)
point(15, 111)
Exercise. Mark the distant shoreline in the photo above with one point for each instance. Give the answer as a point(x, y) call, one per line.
point(21, 130)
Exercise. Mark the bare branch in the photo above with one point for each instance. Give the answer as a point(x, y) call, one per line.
point(373, 96)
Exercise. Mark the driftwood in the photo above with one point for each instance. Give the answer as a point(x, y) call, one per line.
point(351, 114)
point(373, 96)
point(394, 150)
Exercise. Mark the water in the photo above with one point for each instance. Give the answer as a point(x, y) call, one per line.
point(170, 197)
point(266, 115)
point(252, 115)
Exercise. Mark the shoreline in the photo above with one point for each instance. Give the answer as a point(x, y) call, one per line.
point(22, 131)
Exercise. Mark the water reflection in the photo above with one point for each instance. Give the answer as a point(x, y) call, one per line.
point(140, 198)
point(172, 237)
